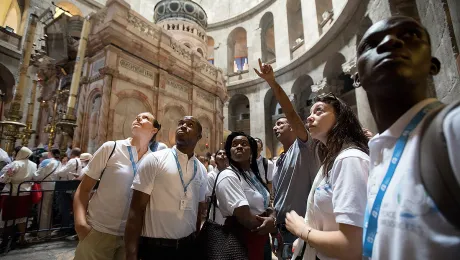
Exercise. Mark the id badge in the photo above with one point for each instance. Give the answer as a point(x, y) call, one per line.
point(186, 204)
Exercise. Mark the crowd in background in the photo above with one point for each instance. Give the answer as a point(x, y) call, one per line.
point(335, 192)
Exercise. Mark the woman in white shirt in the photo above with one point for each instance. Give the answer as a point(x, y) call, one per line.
point(335, 210)
point(221, 164)
point(100, 223)
point(241, 194)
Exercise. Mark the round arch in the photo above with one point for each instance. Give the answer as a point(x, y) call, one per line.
point(239, 114)
point(237, 54)
point(13, 17)
point(172, 114)
point(7, 83)
point(267, 38)
point(210, 45)
point(70, 9)
point(295, 22)
point(302, 95)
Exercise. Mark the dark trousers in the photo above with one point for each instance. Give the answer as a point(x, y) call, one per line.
point(149, 249)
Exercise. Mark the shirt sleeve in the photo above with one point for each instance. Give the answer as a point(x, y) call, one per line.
point(349, 196)
point(451, 126)
point(270, 168)
point(99, 161)
point(204, 185)
point(44, 169)
point(229, 193)
point(161, 146)
point(146, 173)
point(64, 171)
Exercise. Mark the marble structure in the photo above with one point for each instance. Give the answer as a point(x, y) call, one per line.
point(133, 65)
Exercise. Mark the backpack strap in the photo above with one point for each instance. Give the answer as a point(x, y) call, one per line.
point(265, 164)
point(437, 174)
point(113, 150)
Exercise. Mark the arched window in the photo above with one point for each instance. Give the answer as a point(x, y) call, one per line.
point(324, 13)
point(13, 17)
point(239, 115)
point(237, 51)
point(267, 38)
point(66, 8)
point(295, 24)
point(200, 52)
point(211, 50)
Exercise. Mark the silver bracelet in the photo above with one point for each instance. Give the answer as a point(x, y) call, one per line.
point(308, 234)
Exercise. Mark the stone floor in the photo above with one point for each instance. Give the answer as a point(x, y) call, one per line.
point(52, 250)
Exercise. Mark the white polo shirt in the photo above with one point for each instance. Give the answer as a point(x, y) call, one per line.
point(159, 177)
point(69, 171)
point(270, 168)
point(108, 208)
point(409, 224)
point(233, 192)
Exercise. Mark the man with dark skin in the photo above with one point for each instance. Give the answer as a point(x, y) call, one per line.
point(295, 170)
point(394, 63)
point(168, 225)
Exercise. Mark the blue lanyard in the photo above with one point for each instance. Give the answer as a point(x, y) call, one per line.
point(260, 188)
point(371, 218)
point(180, 171)
point(131, 158)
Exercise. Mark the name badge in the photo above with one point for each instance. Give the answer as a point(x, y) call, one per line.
point(186, 204)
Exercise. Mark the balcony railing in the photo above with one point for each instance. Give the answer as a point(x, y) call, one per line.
point(10, 38)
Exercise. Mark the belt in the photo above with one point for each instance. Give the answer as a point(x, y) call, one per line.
point(165, 242)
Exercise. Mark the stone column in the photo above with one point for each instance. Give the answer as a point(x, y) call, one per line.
point(76, 141)
point(310, 23)
point(255, 51)
point(282, 48)
point(108, 74)
point(28, 131)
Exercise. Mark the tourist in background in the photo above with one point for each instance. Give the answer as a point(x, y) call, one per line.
point(242, 196)
point(16, 206)
point(168, 199)
point(100, 223)
point(45, 172)
point(295, 169)
point(221, 164)
point(335, 210)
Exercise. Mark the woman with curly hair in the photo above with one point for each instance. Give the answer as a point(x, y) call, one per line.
point(241, 195)
point(335, 210)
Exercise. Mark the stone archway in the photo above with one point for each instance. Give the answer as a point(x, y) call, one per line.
point(7, 83)
point(295, 23)
point(239, 114)
point(267, 38)
point(237, 50)
point(125, 112)
point(169, 122)
point(302, 95)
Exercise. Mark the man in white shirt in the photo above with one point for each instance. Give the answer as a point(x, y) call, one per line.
point(45, 173)
point(168, 199)
point(64, 174)
point(265, 166)
point(402, 221)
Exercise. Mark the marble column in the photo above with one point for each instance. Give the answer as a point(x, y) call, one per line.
point(254, 50)
point(282, 48)
point(310, 23)
point(105, 104)
point(76, 141)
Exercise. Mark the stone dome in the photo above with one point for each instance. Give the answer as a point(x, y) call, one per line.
point(180, 9)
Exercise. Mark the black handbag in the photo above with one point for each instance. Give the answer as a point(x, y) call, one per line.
point(217, 242)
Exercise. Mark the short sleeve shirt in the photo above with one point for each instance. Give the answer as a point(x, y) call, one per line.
point(294, 175)
point(233, 192)
point(158, 176)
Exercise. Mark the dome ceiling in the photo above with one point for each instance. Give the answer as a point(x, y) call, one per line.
point(217, 10)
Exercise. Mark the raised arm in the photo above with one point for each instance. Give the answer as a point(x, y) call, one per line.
point(294, 119)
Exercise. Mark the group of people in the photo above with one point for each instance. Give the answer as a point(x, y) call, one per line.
point(50, 170)
point(336, 194)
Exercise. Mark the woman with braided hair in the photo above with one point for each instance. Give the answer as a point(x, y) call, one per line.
point(241, 194)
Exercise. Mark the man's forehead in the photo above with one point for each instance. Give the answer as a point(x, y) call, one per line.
point(392, 23)
point(188, 119)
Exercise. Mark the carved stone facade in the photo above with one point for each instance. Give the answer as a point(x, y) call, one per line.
point(135, 66)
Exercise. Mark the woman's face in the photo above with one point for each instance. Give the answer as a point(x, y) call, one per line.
point(221, 158)
point(241, 151)
point(143, 124)
point(64, 160)
point(321, 121)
